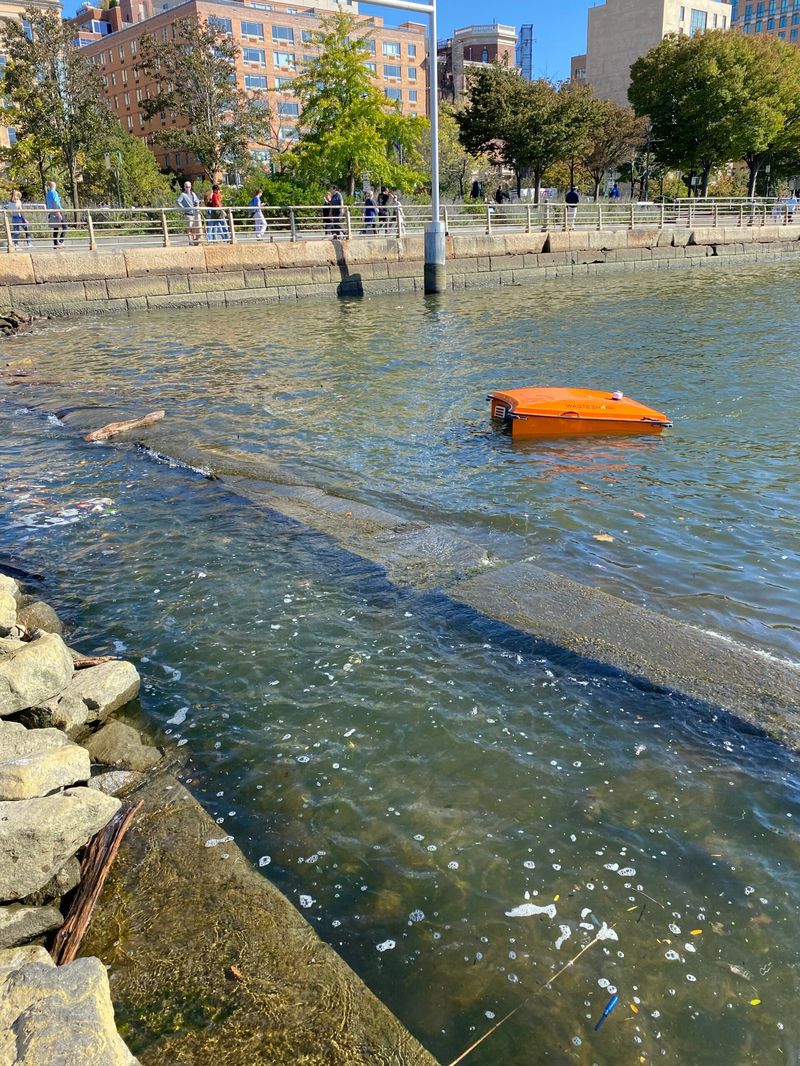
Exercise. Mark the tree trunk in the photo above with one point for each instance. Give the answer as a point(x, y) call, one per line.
point(753, 166)
point(518, 175)
point(537, 181)
point(704, 180)
point(596, 187)
point(351, 184)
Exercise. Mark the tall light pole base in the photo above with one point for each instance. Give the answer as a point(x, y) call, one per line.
point(435, 260)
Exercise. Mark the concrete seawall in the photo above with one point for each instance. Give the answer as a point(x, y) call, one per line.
point(132, 279)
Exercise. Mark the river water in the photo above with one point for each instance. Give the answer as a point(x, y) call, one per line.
point(457, 812)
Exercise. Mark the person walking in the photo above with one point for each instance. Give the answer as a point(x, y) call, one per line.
point(370, 213)
point(217, 216)
point(791, 206)
point(189, 204)
point(384, 199)
point(337, 204)
point(259, 222)
point(55, 214)
point(19, 222)
point(326, 213)
point(572, 199)
point(614, 194)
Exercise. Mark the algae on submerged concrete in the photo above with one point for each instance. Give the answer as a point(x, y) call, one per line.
point(210, 963)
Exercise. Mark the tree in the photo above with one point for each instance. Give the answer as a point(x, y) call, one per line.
point(195, 76)
point(616, 132)
point(348, 127)
point(456, 166)
point(715, 98)
point(526, 125)
point(140, 183)
point(58, 106)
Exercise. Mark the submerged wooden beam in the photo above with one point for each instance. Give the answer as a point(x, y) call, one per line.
point(122, 427)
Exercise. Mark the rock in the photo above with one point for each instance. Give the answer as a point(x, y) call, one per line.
point(34, 762)
point(34, 673)
point(9, 596)
point(10, 644)
point(39, 615)
point(10, 587)
point(59, 1015)
point(116, 782)
point(38, 836)
point(90, 696)
point(59, 885)
point(19, 924)
point(13, 958)
point(117, 744)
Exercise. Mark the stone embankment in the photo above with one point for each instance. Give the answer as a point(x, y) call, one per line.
point(133, 279)
point(209, 962)
point(50, 807)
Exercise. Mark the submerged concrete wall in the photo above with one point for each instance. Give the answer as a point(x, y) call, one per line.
point(132, 279)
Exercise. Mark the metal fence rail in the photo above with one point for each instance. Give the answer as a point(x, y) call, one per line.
point(98, 228)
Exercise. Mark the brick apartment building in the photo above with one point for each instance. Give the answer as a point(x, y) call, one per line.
point(274, 41)
point(468, 49)
point(773, 18)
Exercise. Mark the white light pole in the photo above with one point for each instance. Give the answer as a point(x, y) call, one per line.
point(435, 269)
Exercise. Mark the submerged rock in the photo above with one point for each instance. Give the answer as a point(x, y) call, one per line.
point(34, 762)
point(90, 696)
point(116, 782)
point(67, 878)
point(58, 1014)
point(35, 672)
point(38, 836)
point(19, 924)
point(40, 615)
point(117, 744)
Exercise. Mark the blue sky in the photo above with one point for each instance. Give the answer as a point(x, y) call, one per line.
point(559, 29)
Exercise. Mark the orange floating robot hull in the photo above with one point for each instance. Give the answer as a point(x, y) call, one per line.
point(544, 412)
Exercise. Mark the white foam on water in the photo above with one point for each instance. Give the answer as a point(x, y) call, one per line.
point(606, 933)
point(387, 945)
point(213, 841)
point(526, 910)
point(179, 717)
point(306, 901)
point(566, 933)
point(265, 860)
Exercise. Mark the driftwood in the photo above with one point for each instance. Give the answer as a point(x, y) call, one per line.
point(83, 662)
point(100, 853)
point(122, 427)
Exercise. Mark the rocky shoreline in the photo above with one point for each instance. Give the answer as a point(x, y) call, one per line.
point(248, 981)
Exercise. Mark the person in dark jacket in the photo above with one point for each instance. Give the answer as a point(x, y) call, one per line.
point(572, 200)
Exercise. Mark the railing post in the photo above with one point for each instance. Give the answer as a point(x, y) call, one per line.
point(348, 225)
point(661, 220)
point(292, 224)
point(741, 215)
point(231, 227)
point(599, 216)
point(7, 225)
point(164, 228)
point(716, 214)
point(446, 221)
point(488, 220)
point(632, 213)
point(90, 226)
point(527, 218)
point(691, 214)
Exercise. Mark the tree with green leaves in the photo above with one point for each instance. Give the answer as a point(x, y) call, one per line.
point(715, 98)
point(126, 168)
point(525, 125)
point(457, 167)
point(58, 107)
point(615, 133)
point(347, 126)
point(195, 76)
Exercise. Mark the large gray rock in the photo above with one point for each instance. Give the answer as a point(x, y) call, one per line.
point(59, 1016)
point(119, 745)
point(90, 696)
point(116, 782)
point(34, 762)
point(37, 836)
point(40, 615)
point(9, 587)
point(59, 884)
point(9, 596)
point(19, 924)
point(35, 672)
point(13, 958)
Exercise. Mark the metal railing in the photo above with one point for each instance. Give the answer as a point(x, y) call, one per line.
point(98, 228)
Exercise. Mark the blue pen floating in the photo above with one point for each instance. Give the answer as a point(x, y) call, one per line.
point(609, 1007)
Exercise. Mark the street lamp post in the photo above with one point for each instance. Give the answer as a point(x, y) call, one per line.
point(435, 256)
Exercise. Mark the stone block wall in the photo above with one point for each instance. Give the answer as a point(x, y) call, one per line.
point(132, 279)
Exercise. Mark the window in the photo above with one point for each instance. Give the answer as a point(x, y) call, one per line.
point(306, 36)
point(795, 19)
point(782, 21)
point(772, 7)
point(682, 16)
point(226, 25)
point(369, 44)
point(27, 29)
point(133, 49)
point(130, 122)
point(371, 67)
point(412, 73)
point(759, 27)
point(412, 51)
point(770, 24)
point(393, 94)
point(141, 120)
point(412, 96)
point(12, 136)
point(121, 51)
point(138, 96)
point(759, 10)
point(390, 70)
point(105, 82)
point(124, 77)
point(254, 55)
point(253, 29)
point(113, 78)
point(165, 33)
point(102, 59)
point(288, 133)
point(282, 35)
point(284, 85)
point(748, 11)
point(283, 59)
point(724, 21)
point(255, 83)
point(714, 21)
point(127, 99)
point(262, 7)
point(288, 109)
point(698, 21)
point(391, 48)
point(794, 35)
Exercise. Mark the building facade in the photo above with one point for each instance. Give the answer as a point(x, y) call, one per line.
point(620, 31)
point(525, 51)
point(271, 38)
point(775, 18)
point(468, 49)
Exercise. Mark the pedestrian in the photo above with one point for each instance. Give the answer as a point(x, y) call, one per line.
point(337, 205)
point(614, 194)
point(217, 216)
point(370, 213)
point(791, 205)
point(55, 214)
point(572, 200)
point(384, 199)
point(189, 204)
point(19, 222)
point(259, 222)
point(326, 213)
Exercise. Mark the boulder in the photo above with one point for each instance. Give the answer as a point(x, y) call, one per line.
point(13, 958)
point(117, 744)
point(9, 587)
point(116, 782)
point(35, 672)
point(38, 836)
point(59, 1014)
point(91, 695)
point(8, 612)
point(19, 924)
point(34, 762)
point(59, 885)
point(39, 615)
